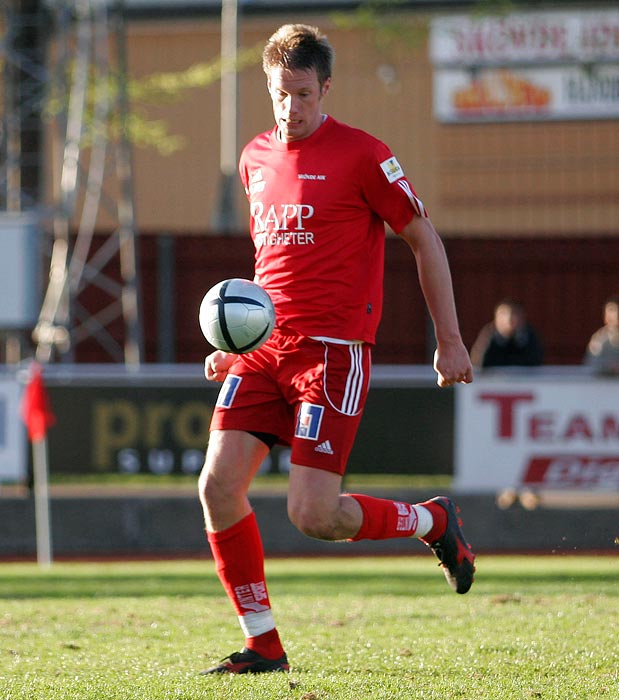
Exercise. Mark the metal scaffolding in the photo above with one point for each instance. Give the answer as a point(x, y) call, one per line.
point(92, 293)
point(24, 76)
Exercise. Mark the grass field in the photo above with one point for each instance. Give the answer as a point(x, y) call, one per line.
point(355, 629)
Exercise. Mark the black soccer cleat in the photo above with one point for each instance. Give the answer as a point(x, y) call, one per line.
point(248, 661)
point(453, 551)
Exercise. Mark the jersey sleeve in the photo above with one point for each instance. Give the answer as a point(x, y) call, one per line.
point(388, 191)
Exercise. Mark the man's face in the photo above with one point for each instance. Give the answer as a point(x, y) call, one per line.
point(507, 320)
point(297, 99)
point(611, 314)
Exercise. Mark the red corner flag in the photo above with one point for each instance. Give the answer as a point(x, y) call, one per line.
point(35, 408)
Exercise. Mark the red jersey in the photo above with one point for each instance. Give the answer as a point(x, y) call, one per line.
point(317, 213)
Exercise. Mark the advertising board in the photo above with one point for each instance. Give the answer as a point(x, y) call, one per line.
point(511, 94)
point(157, 422)
point(12, 431)
point(529, 66)
point(568, 36)
point(537, 434)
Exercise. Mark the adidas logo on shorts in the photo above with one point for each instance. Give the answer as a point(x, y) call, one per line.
point(324, 447)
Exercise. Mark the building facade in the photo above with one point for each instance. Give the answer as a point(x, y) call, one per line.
point(508, 130)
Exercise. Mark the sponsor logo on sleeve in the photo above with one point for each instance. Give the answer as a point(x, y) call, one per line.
point(392, 169)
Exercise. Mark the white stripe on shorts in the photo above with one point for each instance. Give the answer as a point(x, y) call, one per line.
point(354, 382)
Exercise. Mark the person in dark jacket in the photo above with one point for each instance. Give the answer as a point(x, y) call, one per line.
point(603, 348)
point(508, 340)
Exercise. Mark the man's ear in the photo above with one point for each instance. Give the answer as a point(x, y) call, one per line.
point(325, 87)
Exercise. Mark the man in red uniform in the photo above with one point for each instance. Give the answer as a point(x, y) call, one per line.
point(320, 193)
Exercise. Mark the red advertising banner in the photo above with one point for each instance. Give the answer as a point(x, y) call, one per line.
point(573, 471)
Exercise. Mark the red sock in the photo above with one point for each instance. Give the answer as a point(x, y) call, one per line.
point(384, 519)
point(439, 516)
point(239, 560)
point(267, 644)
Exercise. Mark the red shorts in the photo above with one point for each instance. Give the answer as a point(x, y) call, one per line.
point(309, 393)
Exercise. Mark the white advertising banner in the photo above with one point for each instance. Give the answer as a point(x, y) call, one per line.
point(526, 66)
point(12, 432)
point(537, 434)
point(525, 37)
point(508, 94)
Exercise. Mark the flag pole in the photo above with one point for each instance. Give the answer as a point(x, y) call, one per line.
point(38, 417)
point(41, 502)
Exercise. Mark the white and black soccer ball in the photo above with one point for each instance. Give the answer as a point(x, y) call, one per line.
point(237, 316)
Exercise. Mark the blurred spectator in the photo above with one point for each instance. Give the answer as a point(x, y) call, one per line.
point(508, 339)
point(603, 348)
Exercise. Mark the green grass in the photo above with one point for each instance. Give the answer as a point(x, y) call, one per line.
point(265, 482)
point(354, 629)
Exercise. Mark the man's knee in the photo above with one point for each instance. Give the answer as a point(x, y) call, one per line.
point(210, 489)
point(232, 458)
point(313, 520)
point(219, 488)
point(224, 501)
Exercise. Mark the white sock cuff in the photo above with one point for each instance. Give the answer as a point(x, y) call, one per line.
point(424, 521)
point(256, 623)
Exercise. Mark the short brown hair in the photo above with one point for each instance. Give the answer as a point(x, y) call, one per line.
point(299, 47)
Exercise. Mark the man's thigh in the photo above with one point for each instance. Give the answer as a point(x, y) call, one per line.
point(329, 406)
point(308, 393)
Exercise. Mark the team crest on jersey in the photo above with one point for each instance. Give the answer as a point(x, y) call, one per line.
point(228, 391)
point(256, 182)
point(309, 419)
point(392, 169)
point(255, 176)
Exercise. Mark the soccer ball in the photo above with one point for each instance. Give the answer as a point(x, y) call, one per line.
point(237, 316)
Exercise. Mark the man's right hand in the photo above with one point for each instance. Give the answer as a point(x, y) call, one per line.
point(217, 364)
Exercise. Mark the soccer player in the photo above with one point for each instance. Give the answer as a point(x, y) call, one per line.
point(319, 195)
